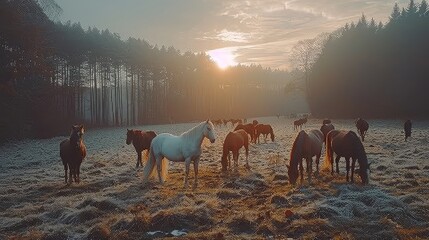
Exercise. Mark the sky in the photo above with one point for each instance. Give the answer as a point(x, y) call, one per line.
point(231, 31)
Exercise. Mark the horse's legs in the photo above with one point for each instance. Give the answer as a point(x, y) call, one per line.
point(196, 161)
point(347, 168)
point(65, 171)
point(301, 169)
point(235, 158)
point(317, 162)
point(337, 160)
point(159, 160)
point(70, 174)
point(309, 161)
point(78, 173)
point(353, 169)
point(247, 156)
point(187, 165)
point(139, 159)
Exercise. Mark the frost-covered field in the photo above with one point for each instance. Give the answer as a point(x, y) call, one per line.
point(110, 201)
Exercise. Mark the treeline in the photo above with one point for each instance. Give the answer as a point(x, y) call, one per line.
point(55, 74)
point(369, 69)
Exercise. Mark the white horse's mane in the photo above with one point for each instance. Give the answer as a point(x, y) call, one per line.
point(193, 132)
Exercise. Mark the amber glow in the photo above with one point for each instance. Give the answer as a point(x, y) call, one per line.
point(223, 57)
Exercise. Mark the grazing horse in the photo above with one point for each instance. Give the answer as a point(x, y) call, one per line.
point(72, 152)
point(299, 123)
point(233, 142)
point(141, 141)
point(265, 130)
point(348, 145)
point(183, 148)
point(249, 128)
point(407, 129)
point(325, 129)
point(362, 127)
point(306, 145)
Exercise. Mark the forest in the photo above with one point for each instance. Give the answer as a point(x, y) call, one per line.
point(374, 70)
point(54, 74)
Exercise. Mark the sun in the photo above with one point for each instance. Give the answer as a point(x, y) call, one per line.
point(223, 57)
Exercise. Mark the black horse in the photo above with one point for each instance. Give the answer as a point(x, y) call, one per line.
point(407, 129)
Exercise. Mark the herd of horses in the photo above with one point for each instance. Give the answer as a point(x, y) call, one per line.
point(187, 148)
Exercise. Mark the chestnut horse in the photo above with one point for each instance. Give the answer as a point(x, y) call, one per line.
point(232, 143)
point(306, 145)
point(407, 129)
point(264, 129)
point(72, 153)
point(141, 141)
point(362, 127)
point(348, 145)
point(249, 128)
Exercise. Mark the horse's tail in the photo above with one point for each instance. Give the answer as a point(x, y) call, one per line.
point(164, 168)
point(150, 164)
point(328, 161)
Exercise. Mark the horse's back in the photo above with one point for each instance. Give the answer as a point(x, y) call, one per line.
point(347, 144)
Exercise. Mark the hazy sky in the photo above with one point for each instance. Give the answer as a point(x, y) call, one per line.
point(252, 31)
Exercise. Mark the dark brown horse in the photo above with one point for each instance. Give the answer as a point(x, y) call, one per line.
point(305, 146)
point(362, 127)
point(407, 129)
point(249, 128)
point(325, 129)
point(299, 123)
point(348, 145)
point(264, 129)
point(141, 141)
point(233, 142)
point(72, 153)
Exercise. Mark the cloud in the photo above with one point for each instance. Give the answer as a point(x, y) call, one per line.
point(259, 31)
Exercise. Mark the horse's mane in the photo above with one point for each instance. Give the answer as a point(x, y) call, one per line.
point(195, 130)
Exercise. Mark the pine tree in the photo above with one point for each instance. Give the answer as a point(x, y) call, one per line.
point(396, 14)
point(423, 9)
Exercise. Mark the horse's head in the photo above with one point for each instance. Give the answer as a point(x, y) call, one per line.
point(293, 174)
point(130, 134)
point(208, 130)
point(224, 163)
point(364, 174)
point(76, 134)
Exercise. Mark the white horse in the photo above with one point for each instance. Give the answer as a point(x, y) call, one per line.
point(183, 148)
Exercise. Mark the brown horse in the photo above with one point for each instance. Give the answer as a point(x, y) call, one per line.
point(325, 129)
point(233, 142)
point(299, 123)
point(265, 130)
point(72, 153)
point(141, 141)
point(249, 128)
point(407, 129)
point(362, 127)
point(305, 146)
point(348, 145)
